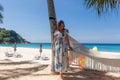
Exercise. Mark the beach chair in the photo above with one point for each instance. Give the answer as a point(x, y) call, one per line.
point(44, 57)
point(37, 57)
point(9, 54)
point(17, 55)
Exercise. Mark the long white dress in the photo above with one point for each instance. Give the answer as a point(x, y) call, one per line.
point(61, 52)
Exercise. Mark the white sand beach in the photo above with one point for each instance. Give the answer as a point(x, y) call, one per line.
point(27, 53)
point(28, 68)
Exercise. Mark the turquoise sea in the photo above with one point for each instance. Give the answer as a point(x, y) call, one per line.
point(101, 46)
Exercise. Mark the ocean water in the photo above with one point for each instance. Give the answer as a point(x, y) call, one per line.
point(101, 47)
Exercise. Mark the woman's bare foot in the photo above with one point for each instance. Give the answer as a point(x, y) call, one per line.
point(61, 77)
point(55, 73)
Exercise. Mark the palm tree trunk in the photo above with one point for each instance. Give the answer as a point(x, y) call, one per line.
point(53, 26)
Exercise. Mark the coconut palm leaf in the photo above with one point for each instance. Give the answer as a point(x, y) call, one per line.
point(102, 6)
point(1, 16)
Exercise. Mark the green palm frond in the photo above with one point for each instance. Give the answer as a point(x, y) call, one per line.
point(1, 16)
point(102, 6)
point(1, 8)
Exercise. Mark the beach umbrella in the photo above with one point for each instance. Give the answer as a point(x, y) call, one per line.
point(15, 47)
point(40, 50)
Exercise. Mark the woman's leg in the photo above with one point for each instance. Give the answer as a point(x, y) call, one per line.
point(61, 76)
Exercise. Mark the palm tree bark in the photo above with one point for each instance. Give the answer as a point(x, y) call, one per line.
point(53, 26)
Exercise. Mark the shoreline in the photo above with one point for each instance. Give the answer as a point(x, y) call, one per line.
point(101, 47)
point(22, 48)
point(111, 52)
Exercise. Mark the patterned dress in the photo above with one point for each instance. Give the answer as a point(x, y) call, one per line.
point(61, 53)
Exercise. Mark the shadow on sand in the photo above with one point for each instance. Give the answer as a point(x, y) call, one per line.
point(18, 72)
point(16, 63)
point(87, 74)
point(73, 74)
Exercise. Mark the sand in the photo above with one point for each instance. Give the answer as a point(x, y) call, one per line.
point(29, 68)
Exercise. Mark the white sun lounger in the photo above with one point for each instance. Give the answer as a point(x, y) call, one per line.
point(12, 54)
point(17, 55)
point(9, 54)
point(44, 57)
point(37, 57)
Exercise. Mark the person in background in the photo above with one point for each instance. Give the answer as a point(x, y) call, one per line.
point(40, 49)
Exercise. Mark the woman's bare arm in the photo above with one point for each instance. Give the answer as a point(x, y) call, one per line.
point(67, 37)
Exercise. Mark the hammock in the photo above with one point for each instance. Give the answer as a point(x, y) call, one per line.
point(106, 62)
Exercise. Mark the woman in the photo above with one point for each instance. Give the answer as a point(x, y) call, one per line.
point(60, 43)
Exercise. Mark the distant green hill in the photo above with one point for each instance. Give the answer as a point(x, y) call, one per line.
point(10, 36)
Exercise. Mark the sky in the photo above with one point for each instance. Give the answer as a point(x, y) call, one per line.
point(29, 18)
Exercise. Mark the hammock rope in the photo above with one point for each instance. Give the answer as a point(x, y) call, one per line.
point(95, 60)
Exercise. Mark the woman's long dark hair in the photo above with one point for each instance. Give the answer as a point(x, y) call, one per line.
point(59, 23)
